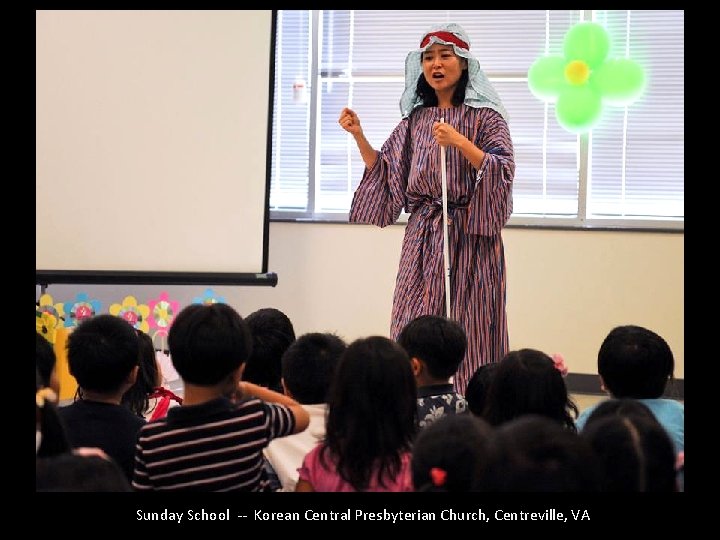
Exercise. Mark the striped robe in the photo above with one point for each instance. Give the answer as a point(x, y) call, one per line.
point(407, 174)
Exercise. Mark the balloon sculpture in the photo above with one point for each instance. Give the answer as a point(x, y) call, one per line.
point(582, 80)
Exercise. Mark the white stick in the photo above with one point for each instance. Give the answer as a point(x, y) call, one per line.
point(446, 243)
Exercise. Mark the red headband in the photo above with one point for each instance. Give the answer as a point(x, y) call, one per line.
point(445, 36)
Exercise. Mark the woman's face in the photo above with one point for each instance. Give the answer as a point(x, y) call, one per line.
point(442, 68)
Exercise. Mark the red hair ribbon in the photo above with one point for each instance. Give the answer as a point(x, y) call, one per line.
point(163, 404)
point(445, 36)
point(160, 392)
point(438, 476)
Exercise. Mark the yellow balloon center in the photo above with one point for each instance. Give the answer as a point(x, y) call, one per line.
point(577, 72)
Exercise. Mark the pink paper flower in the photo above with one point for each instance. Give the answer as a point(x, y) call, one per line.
point(135, 314)
point(559, 362)
point(162, 312)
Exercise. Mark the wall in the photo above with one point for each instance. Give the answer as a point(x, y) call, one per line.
point(566, 289)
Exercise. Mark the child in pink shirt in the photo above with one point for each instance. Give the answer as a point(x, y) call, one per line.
point(371, 423)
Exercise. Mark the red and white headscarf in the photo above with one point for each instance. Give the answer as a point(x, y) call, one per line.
point(479, 92)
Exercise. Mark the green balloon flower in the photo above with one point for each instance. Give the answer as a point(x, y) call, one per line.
point(582, 80)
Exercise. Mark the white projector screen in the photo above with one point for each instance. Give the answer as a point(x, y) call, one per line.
point(152, 146)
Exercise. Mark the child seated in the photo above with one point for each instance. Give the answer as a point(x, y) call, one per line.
point(103, 357)
point(147, 397)
point(370, 424)
point(308, 367)
point(451, 454)
point(214, 441)
point(636, 453)
point(436, 347)
point(528, 381)
point(634, 362)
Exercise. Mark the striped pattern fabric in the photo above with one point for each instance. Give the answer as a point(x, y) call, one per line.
point(215, 446)
point(407, 174)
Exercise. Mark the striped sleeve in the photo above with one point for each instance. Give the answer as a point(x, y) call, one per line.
point(140, 480)
point(281, 421)
point(380, 197)
point(491, 203)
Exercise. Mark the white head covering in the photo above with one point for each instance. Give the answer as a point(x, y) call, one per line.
point(479, 91)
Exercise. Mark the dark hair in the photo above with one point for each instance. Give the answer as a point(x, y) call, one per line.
point(635, 452)
point(74, 473)
point(428, 96)
point(208, 342)
point(527, 382)
point(102, 351)
point(457, 445)
point(635, 362)
point(478, 387)
point(439, 342)
point(44, 358)
point(535, 454)
point(372, 407)
point(308, 366)
point(272, 333)
point(54, 438)
point(136, 397)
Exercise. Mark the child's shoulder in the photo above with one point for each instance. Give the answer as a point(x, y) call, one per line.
point(665, 405)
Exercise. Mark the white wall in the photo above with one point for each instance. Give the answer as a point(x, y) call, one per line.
point(566, 289)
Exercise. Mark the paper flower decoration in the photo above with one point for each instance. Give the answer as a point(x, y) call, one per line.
point(162, 312)
point(559, 363)
point(45, 304)
point(583, 80)
point(82, 308)
point(208, 297)
point(46, 325)
point(135, 314)
point(47, 316)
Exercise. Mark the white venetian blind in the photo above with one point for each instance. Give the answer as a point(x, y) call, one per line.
point(637, 153)
point(291, 118)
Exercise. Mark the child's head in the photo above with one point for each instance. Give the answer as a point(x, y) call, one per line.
point(451, 453)
point(619, 407)
point(45, 363)
point(75, 473)
point(103, 354)
point(635, 452)
point(527, 382)
point(478, 387)
point(535, 454)
point(208, 343)
point(149, 377)
point(308, 366)
point(372, 410)
point(437, 342)
point(272, 333)
point(635, 362)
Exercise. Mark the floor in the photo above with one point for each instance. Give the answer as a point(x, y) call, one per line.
point(583, 401)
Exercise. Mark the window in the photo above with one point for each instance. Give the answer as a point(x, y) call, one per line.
point(628, 172)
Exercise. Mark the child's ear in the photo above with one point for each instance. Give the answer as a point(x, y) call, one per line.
point(232, 381)
point(602, 384)
point(132, 376)
point(285, 388)
point(237, 374)
point(416, 365)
